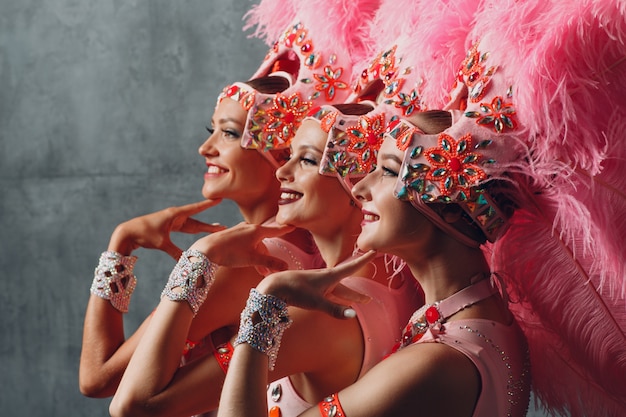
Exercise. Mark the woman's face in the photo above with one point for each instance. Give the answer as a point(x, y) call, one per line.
point(389, 225)
point(241, 175)
point(308, 199)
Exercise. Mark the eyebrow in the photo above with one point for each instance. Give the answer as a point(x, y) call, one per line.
point(227, 120)
point(391, 156)
point(309, 147)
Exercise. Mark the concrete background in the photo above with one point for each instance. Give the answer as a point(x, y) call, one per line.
point(102, 108)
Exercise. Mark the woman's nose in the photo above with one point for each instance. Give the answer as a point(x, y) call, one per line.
point(208, 147)
point(285, 172)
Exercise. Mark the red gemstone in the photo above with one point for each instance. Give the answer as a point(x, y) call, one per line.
point(372, 139)
point(232, 90)
point(432, 314)
point(393, 125)
point(289, 118)
point(306, 47)
point(289, 40)
point(455, 164)
point(275, 412)
point(364, 74)
point(314, 110)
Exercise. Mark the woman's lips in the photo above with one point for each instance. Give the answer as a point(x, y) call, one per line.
point(369, 217)
point(288, 196)
point(214, 170)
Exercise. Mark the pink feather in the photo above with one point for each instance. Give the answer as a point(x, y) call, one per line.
point(270, 18)
point(338, 25)
point(563, 259)
point(575, 327)
point(431, 39)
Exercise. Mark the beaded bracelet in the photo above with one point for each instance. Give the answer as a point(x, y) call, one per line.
point(263, 323)
point(190, 281)
point(331, 407)
point(114, 280)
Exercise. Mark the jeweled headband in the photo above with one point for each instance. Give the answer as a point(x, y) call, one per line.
point(322, 78)
point(352, 144)
point(455, 165)
point(271, 120)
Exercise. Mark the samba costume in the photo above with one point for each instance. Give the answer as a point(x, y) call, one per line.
point(534, 160)
point(318, 68)
point(349, 154)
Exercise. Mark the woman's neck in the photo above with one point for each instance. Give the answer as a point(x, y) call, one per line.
point(338, 245)
point(258, 211)
point(447, 269)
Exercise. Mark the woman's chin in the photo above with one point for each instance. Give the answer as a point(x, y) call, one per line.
point(365, 244)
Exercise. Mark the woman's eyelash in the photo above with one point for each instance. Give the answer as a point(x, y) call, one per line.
point(390, 172)
point(308, 160)
point(231, 133)
point(210, 130)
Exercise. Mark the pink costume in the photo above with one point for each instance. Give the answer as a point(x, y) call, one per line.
point(498, 351)
point(381, 321)
point(295, 257)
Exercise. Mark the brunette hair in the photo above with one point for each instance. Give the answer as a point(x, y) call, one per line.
point(269, 84)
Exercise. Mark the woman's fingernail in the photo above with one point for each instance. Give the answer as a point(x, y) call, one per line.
point(349, 313)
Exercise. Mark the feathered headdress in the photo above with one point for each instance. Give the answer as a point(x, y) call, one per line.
point(409, 64)
point(314, 45)
point(563, 258)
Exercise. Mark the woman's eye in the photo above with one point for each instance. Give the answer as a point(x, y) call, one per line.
point(231, 134)
point(308, 161)
point(387, 172)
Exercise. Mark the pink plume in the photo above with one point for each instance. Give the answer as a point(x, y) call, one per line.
point(575, 327)
point(340, 22)
point(271, 18)
point(340, 25)
point(563, 259)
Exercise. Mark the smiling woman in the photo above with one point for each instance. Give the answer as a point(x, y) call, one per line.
point(252, 126)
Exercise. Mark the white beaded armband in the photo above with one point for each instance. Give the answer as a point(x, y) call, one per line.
point(190, 281)
point(114, 280)
point(263, 322)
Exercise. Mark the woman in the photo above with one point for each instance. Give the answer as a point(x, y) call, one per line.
point(321, 354)
point(105, 351)
point(260, 116)
point(464, 344)
point(402, 383)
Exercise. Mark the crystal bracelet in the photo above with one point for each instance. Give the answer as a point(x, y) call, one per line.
point(263, 322)
point(190, 281)
point(114, 280)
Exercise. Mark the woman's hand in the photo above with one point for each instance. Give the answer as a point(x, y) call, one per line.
point(318, 289)
point(152, 231)
point(242, 245)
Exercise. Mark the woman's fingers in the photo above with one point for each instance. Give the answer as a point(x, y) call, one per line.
point(349, 267)
point(347, 295)
point(193, 226)
point(198, 207)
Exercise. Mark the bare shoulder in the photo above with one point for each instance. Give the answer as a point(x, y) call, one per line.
point(431, 377)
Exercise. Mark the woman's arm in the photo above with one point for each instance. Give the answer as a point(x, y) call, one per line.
point(418, 380)
point(105, 351)
point(244, 388)
point(154, 384)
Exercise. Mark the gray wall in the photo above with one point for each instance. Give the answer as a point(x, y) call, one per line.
point(102, 107)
